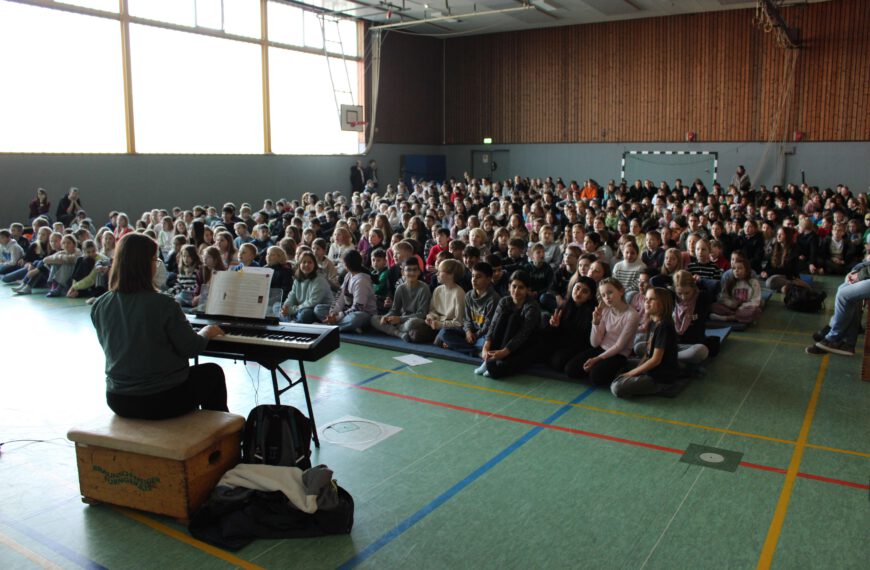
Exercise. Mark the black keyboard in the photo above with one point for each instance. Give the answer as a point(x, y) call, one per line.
point(268, 342)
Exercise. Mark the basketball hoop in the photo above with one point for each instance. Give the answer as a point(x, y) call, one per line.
point(350, 118)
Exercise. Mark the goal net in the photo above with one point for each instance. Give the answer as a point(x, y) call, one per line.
point(668, 165)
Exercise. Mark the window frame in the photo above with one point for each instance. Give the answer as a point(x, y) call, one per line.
point(124, 18)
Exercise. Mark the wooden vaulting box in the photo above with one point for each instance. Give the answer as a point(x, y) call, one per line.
point(167, 467)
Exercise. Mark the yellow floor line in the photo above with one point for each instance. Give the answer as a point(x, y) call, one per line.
point(178, 535)
point(773, 533)
point(602, 410)
point(837, 450)
point(780, 342)
point(808, 333)
point(37, 559)
point(685, 424)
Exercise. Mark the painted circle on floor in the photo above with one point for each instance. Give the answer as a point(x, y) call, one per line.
point(352, 432)
point(711, 457)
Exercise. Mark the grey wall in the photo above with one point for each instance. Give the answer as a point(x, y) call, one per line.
point(134, 183)
point(825, 164)
point(140, 182)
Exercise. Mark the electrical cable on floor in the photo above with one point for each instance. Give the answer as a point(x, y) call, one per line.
point(255, 385)
point(31, 441)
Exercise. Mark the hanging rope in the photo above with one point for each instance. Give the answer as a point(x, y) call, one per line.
point(778, 127)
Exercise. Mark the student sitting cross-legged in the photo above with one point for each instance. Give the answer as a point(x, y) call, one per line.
point(407, 314)
point(659, 368)
point(310, 289)
point(447, 307)
point(509, 346)
point(614, 324)
point(355, 302)
point(569, 327)
point(480, 305)
point(740, 298)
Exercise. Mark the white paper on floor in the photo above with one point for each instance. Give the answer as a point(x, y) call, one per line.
point(412, 359)
point(356, 433)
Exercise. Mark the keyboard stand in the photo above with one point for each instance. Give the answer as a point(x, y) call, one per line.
point(275, 367)
point(303, 380)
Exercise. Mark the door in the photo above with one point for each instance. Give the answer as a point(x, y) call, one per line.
point(491, 164)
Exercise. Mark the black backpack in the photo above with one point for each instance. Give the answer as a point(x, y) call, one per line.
point(277, 435)
point(803, 299)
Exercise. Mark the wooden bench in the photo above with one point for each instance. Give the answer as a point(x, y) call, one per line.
point(167, 467)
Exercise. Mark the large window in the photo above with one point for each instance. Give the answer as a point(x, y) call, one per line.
point(62, 83)
point(237, 17)
point(104, 5)
point(304, 117)
point(297, 27)
point(196, 71)
point(195, 94)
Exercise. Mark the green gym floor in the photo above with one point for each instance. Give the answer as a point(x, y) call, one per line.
point(523, 473)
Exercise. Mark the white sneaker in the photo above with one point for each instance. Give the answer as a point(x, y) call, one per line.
point(24, 290)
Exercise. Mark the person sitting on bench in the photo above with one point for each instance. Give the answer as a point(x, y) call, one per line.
point(148, 341)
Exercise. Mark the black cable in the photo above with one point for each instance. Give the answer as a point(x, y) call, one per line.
point(29, 441)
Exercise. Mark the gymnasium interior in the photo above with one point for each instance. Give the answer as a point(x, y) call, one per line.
point(144, 104)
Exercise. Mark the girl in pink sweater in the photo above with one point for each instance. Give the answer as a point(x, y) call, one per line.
point(614, 324)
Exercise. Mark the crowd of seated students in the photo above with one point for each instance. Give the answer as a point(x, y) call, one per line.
point(611, 283)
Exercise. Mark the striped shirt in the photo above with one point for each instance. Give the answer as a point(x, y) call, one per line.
point(707, 270)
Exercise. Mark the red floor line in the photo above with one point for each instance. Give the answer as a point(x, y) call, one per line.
point(834, 481)
point(591, 434)
point(762, 467)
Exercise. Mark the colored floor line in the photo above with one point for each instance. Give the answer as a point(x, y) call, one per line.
point(775, 530)
point(53, 545)
point(186, 539)
point(804, 333)
point(34, 557)
point(858, 350)
point(614, 412)
point(384, 372)
point(584, 433)
point(409, 522)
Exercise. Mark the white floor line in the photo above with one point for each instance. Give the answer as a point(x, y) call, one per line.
point(718, 442)
point(479, 418)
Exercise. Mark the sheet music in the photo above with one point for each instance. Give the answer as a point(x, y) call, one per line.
point(243, 293)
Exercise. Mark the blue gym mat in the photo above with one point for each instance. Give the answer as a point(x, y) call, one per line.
point(378, 340)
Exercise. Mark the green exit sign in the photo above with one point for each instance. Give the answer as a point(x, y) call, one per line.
point(487, 140)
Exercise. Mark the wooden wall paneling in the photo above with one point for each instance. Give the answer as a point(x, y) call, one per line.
point(756, 85)
point(841, 66)
point(823, 103)
point(840, 69)
point(863, 84)
point(651, 93)
point(668, 103)
point(702, 71)
point(814, 73)
point(640, 80)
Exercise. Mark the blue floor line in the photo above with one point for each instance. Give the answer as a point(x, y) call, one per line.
point(363, 383)
point(400, 528)
point(51, 544)
point(381, 375)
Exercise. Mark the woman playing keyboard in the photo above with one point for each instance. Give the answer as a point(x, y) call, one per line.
point(148, 341)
